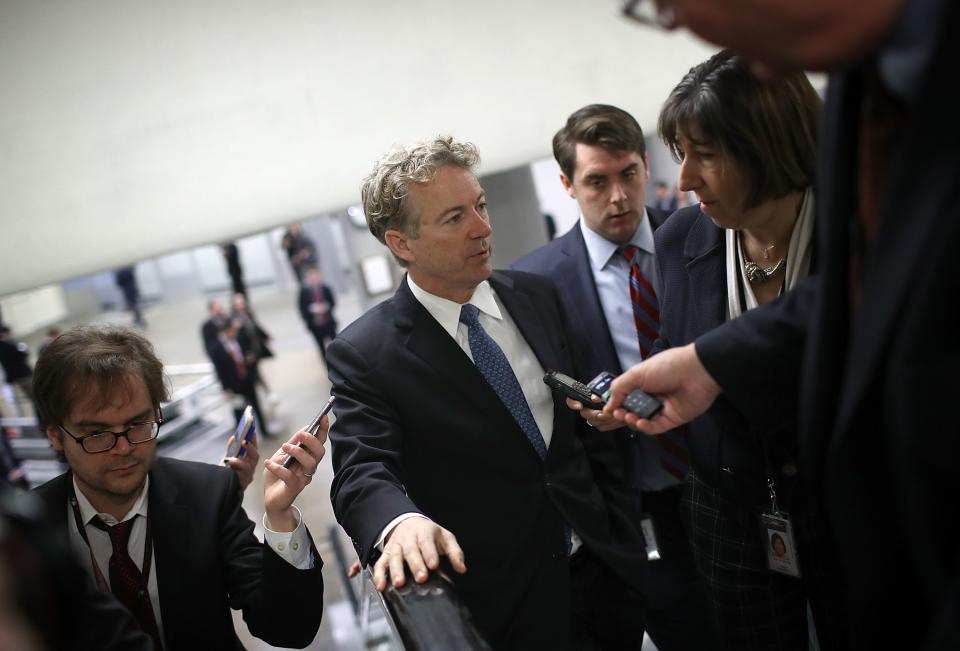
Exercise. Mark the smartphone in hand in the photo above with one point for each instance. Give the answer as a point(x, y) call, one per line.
point(313, 428)
point(246, 431)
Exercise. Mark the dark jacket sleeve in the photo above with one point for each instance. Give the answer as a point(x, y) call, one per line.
point(366, 441)
point(281, 604)
point(757, 358)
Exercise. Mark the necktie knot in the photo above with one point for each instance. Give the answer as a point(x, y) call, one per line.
point(119, 533)
point(630, 253)
point(470, 315)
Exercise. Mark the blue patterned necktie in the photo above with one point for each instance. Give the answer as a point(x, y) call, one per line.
point(493, 365)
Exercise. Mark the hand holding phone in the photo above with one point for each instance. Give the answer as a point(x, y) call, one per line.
point(313, 428)
point(246, 431)
point(573, 389)
point(638, 402)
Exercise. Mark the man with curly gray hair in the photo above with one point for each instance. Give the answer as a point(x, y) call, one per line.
point(447, 443)
point(384, 191)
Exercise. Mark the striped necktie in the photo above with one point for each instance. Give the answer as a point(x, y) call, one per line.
point(643, 299)
point(674, 457)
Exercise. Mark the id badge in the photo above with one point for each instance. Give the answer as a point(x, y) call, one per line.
point(777, 535)
point(649, 538)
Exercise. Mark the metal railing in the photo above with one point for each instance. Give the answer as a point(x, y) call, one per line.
point(417, 617)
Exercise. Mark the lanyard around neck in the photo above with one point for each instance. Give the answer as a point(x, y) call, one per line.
point(102, 583)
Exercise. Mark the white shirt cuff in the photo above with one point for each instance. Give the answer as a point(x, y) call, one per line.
point(393, 523)
point(291, 546)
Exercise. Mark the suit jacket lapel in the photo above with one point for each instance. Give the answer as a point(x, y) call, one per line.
point(168, 527)
point(544, 341)
point(426, 339)
point(586, 316)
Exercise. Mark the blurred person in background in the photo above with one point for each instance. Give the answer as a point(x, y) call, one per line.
point(231, 255)
point(316, 304)
point(15, 362)
point(126, 279)
point(300, 250)
point(666, 199)
point(236, 367)
point(254, 336)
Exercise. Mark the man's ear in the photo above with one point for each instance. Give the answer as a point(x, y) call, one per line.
point(399, 246)
point(646, 168)
point(55, 438)
point(568, 185)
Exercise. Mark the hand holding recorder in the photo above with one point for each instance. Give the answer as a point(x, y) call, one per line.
point(589, 399)
point(677, 377)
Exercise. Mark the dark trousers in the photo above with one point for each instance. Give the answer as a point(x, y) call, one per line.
point(672, 608)
point(323, 337)
point(248, 389)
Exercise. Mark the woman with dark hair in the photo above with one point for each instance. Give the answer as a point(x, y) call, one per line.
point(747, 149)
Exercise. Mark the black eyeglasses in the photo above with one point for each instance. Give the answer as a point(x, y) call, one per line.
point(106, 440)
point(658, 13)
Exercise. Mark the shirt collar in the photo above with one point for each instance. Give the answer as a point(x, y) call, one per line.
point(601, 250)
point(447, 312)
point(88, 512)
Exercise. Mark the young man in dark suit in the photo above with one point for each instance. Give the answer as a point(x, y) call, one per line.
point(865, 353)
point(170, 538)
point(603, 166)
point(448, 443)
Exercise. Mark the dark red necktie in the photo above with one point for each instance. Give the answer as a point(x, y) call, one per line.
point(674, 457)
point(127, 583)
point(880, 114)
point(646, 313)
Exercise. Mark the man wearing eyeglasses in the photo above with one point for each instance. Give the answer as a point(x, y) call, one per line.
point(169, 538)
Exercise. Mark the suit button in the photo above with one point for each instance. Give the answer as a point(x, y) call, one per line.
point(789, 470)
point(281, 546)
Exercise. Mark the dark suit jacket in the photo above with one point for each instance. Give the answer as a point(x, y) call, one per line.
point(306, 298)
point(418, 429)
point(878, 433)
point(210, 331)
point(208, 561)
point(565, 261)
point(226, 367)
point(691, 254)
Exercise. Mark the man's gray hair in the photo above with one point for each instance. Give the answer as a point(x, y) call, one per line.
point(385, 189)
